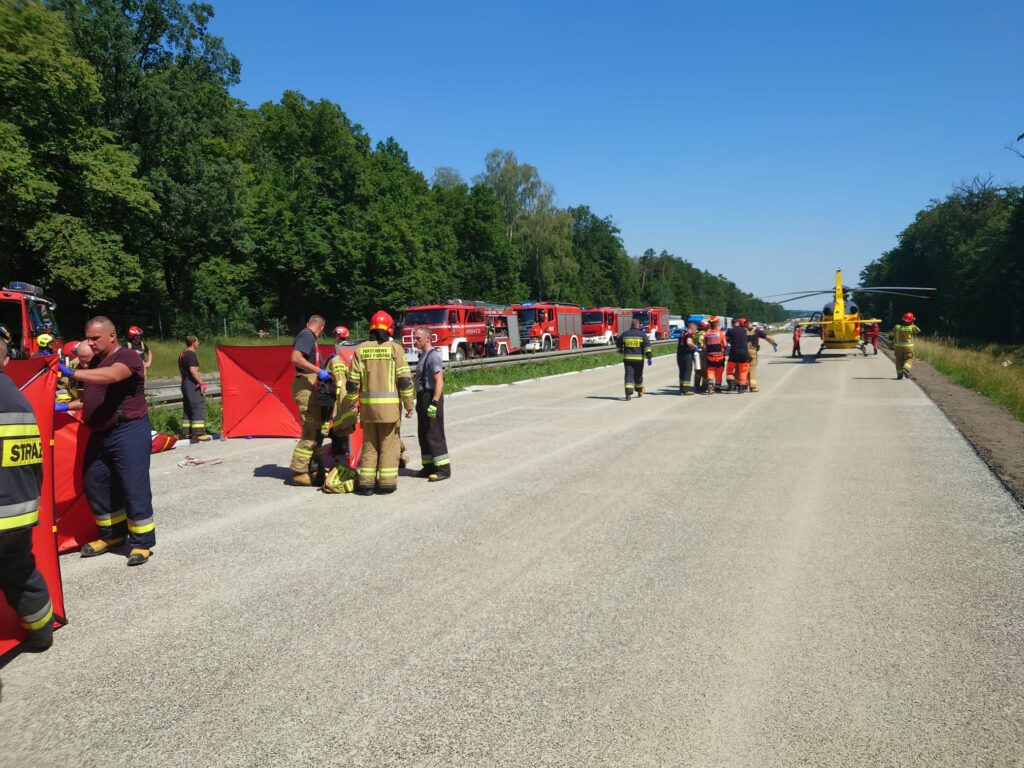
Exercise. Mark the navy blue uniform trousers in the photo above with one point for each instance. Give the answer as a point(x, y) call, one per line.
point(117, 482)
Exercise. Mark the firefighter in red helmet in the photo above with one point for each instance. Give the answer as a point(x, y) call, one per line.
point(136, 343)
point(340, 335)
point(379, 384)
point(902, 340)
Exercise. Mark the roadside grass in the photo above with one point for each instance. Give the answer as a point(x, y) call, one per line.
point(995, 371)
point(168, 420)
point(456, 381)
point(165, 353)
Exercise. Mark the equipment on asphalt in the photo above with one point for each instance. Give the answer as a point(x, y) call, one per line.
point(840, 320)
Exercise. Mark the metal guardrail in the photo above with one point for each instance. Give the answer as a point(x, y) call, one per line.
point(167, 394)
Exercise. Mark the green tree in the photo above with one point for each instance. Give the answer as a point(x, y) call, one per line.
point(70, 198)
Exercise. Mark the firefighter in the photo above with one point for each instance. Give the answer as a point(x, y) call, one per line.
point(798, 331)
point(339, 423)
point(44, 342)
point(306, 361)
point(429, 377)
point(700, 368)
point(116, 478)
point(379, 382)
point(754, 336)
point(685, 358)
point(193, 389)
point(136, 344)
point(714, 356)
point(902, 341)
point(21, 476)
point(634, 345)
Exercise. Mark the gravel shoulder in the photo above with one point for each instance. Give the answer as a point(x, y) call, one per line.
point(990, 428)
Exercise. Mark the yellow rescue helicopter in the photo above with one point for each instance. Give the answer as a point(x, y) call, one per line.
point(841, 321)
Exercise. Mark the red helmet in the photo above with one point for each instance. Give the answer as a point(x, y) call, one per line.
point(382, 321)
point(743, 322)
point(340, 332)
point(69, 349)
point(704, 325)
point(908, 317)
point(135, 331)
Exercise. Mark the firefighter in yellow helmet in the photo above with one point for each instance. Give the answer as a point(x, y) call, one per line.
point(902, 340)
point(379, 385)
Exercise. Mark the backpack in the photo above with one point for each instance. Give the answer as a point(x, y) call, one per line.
point(326, 392)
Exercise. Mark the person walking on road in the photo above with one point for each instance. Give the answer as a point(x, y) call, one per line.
point(379, 384)
point(21, 477)
point(116, 476)
point(634, 345)
point(306, 361)
point(754, 336)
point(193, 389)
point(685, 358)
point(798, 331)
point(902, 339)
point(429, 377)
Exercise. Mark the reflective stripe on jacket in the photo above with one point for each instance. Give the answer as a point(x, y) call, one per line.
point(21, 460)
point(634, 344)
point(378, 381)
point(903, 336)
point(714, 346)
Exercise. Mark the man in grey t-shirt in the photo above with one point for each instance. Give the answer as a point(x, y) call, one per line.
point(429, 378)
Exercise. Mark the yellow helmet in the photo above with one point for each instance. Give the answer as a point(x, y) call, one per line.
point(44, 339)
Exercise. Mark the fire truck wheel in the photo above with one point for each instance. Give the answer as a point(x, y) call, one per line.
point(546, 346)
point(573, 344)
point(502, 350)
point(460, 354)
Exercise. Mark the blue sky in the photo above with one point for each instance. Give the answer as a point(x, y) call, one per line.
point(769, 142)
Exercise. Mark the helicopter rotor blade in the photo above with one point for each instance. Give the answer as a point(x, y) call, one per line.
point(890, 288)
point(799, 296)
point(896, 293)
point(808, 292)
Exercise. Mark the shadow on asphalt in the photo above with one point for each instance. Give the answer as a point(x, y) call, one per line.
point(274, 471)
point(604, 397)
point(874, 378)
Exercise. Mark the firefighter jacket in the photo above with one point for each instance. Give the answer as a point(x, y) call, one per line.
point(902, 336)
point(634, 344)
point(21, 465)
point(378, 381)
point(343, 420)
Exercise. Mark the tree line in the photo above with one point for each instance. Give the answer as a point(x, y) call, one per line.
point(132, 183)
point(970, 246)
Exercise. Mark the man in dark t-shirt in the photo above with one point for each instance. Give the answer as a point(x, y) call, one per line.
point(739, 357)
point(116, 477)
point(306, 361)
point(192, 390)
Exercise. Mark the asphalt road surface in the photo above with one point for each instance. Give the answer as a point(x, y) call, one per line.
point(822, 574)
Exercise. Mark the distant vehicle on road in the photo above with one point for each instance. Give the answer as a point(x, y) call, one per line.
point(544, 327)
point(602, 324)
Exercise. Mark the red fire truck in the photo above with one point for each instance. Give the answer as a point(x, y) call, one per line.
point(26, 314)
point(462, 329)
point(544, 327)
point(654, 321)
point(602, 324)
